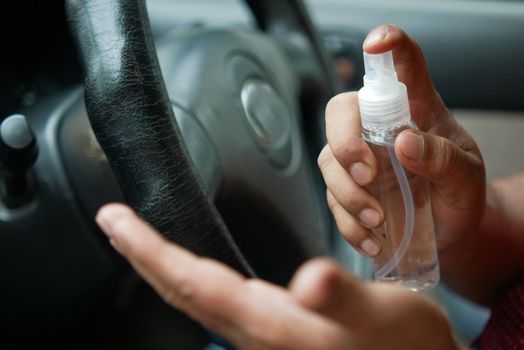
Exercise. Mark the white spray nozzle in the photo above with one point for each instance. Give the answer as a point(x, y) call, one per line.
point(383, 99)
point(379, 66)
point(380, 73)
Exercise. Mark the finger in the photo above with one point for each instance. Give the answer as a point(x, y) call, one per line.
point(277, 321)
point(355, 234)
point(345, 140)
point(182, 279)
point(452, 170)
point(365, 308)
point(425, 103)
point(352, 197)
point(246, 312)
point(324, 287)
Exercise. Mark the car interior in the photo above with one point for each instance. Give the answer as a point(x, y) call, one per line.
point(207, 117)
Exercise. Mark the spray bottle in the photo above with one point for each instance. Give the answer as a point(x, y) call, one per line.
point(409, 256)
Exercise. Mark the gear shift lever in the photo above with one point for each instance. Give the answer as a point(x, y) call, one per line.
point(18, 153)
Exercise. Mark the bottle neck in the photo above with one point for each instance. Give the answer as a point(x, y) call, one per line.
point(386, 136)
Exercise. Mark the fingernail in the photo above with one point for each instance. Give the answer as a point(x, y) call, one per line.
point(370, 247)
point(114, 244)
point(370, 218)
point(375, 36)
point(103, 222)
point(361, 173)
point(412, 145)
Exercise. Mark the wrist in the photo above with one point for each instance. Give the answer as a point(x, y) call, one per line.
point(488, 258)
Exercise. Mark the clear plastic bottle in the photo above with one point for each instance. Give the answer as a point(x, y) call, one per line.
point(409, 255)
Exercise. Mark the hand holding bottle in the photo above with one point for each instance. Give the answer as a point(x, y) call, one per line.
point(441, 152)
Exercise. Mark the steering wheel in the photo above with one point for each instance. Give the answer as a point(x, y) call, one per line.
point(219, 137)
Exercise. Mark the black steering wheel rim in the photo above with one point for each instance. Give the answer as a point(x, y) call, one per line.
point(133, 120)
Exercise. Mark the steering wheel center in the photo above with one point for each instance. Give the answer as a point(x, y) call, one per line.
point(269, 120)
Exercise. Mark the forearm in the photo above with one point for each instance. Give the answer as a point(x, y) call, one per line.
point(491, 259)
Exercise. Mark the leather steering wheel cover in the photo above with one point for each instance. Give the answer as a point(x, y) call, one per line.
point(133, 121)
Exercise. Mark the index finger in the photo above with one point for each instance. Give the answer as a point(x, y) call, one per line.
point(183, 279)
point(345, 138)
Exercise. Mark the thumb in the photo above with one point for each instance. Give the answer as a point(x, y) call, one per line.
point(452, 170)
point(322, 286)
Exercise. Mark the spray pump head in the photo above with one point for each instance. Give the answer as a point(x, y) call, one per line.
point(383, 100)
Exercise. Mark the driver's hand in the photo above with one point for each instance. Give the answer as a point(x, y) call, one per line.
point(442, 152)
point(323, 307)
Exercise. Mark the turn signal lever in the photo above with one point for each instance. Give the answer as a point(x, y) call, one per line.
point(18, 152)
